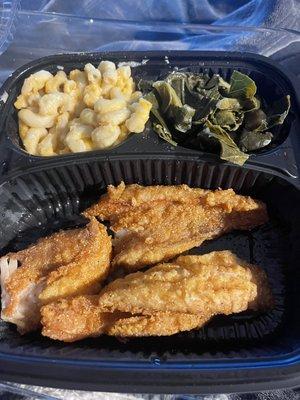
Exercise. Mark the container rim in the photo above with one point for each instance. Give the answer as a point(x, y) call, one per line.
point(105, 377)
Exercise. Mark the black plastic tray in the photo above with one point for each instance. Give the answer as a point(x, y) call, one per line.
point(273, 82)
point(236, 348)
point(238, 353)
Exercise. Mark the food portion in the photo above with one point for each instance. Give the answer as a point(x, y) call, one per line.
point(155, 223)
point(158, 324)
point(214, 283)
point(67, 263)
point(208, 113)
point(66, 284)
point(82, 317)
point(86, 272)
point(96, 108)
point(166, 299)
point(76, 318)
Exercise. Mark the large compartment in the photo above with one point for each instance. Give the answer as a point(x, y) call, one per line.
point(234, 351)
point(272, 83)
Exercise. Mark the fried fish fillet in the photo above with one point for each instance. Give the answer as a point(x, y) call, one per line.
point(156, 223)
point(121, 199)
point(76, 318)
point(215, 283)
point(164, 300)
point(159, 324)
point(66, 263)
point(85, 273)
point(80, 317)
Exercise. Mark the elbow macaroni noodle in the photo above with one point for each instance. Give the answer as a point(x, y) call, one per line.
point(86, 110)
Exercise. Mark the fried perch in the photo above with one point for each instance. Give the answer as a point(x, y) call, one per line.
point(121, 199)
point(164, 300)
point(160, 324)
point(21, 287)
point(85, 274)
point(215, 283)
point(156, 223)
point(80, 317)
point(76, 318)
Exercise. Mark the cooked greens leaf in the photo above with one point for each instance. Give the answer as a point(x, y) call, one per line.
point(203, 105)
point(159, 124)
point(167, 95)
point(210, 90)
point(177, 81)
point(196, 81)
point(278, 111)
point(250, 141)
point(202, 93)
point(224, 85)
point(228, 104)
point(145, 86)
point(204, 140)
point(224, 118)
point(171, 106)
point(241, 86)
point(250, 104)
point(231, 152)
point(181, 117)
point(229, 149)
point(228, 120)
point(153, 100)
point(205, 108)
point(212, 83)
point(256, 120)
point(162, 130)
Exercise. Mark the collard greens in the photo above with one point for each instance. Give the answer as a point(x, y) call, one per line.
point(211, 114)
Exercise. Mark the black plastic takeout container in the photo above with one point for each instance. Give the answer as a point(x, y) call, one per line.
point(39, 195)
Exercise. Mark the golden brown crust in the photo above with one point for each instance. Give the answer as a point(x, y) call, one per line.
point(46, 255)
point(215, 283)
point(65, 257)
point(164, 300)
point(74, 319)
point(123, 198)
point(156, 223)
point(85, 274)
point(160, 324)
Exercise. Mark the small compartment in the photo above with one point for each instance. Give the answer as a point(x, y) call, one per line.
point(233, 351)
point(271, 81)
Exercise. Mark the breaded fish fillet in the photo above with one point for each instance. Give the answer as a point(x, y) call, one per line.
point(164, 300)
point(66, 263)
point(156, 223)
point(122, 198)
point(215, 283)
point(85, 273)
point(76, 318)
point(160, 324)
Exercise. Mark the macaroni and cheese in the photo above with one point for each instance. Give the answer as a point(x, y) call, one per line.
point(86, 110)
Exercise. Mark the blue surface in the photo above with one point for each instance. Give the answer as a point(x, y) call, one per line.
point(237, 13)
